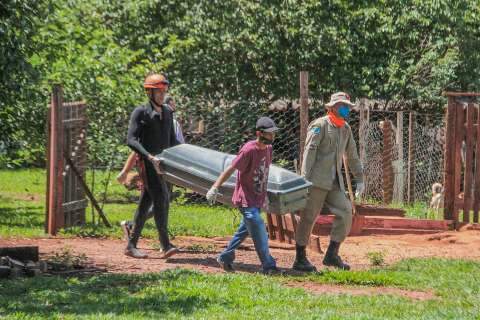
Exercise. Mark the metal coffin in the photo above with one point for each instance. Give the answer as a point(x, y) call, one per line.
point(197, 168)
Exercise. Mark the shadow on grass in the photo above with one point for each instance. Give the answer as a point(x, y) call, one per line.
point(149, 294)
point(212, 262)
point(22, 216)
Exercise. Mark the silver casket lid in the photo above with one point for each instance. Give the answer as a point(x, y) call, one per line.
point(198, 168)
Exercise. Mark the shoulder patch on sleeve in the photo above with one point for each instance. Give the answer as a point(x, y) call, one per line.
point(316, 130)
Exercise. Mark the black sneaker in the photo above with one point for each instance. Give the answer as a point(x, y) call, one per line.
point(228, 267)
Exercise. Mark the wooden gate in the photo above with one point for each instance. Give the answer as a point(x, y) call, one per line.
point(462, 158)
point(66, 162)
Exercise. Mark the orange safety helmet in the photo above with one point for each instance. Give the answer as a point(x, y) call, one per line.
point(156, 81)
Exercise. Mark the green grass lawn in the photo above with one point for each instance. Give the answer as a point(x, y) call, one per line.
point(185, 294)
point(20, 216)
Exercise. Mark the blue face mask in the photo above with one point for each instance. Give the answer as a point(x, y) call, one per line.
point(344, 111)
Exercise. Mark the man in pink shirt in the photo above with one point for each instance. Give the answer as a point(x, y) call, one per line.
point(252, 164)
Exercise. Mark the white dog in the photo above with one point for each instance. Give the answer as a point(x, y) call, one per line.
point(437, 197)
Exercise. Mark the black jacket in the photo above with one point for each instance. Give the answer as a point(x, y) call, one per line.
point(150, 132)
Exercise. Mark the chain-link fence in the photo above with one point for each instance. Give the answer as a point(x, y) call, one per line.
point(401, 151)
point(226, 126)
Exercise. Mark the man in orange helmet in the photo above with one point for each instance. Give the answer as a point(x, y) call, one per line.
point(150, 131)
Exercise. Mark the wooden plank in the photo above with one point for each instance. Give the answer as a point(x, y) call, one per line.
point(387, 168)
point(289, 231)
point(47, 195)
point(68, 175)
point(278, 228)
point(461, 94)
point(76, 104)
point(370, 210)
point(449, 160)
point(56, 218)
point(288, 223)
point(393, 223)
point(303, 112)
point(75, 205)
point(270, 227)
point(88, 192)
point(361, 132)
point(82, 159)
point(459, 137)
point(411, 158)
point(293, 218)
point(476, 203)
point(358, 223)
point(402, 223)
point(349, 186)
point(281, 229)
point(468, 176)
point(325, 219)
point(74, 123)
point(22, 253)
point(399, 176)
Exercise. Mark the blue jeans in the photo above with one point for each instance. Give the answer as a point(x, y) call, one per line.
point(252, 224)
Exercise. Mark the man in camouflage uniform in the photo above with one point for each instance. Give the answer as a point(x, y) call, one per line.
point(329, 139)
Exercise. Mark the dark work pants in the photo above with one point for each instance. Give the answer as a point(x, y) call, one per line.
point(154, 196)
point(150, 209)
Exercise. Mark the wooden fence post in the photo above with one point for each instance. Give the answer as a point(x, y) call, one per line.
point(468, 176)
point(449, 161)
point(399, 174)
point(303, 112)
point(387, 168)
point(457, 146)
point(476, 192)
point(361, 131)
point(47, 194)
point(56, 164)
point(411, 158)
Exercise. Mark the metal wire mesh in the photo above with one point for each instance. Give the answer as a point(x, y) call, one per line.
point(402, 154)
point(226, 126)
point(402, 157)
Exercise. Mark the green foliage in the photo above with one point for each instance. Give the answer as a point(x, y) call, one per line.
point(21, 105)
point(222, 51)
point(376, 258)
point(65, 259)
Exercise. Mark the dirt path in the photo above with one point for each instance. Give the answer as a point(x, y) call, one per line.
point(200, 253)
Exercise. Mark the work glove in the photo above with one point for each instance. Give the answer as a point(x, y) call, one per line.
point(212, 195)
point(360, 188)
